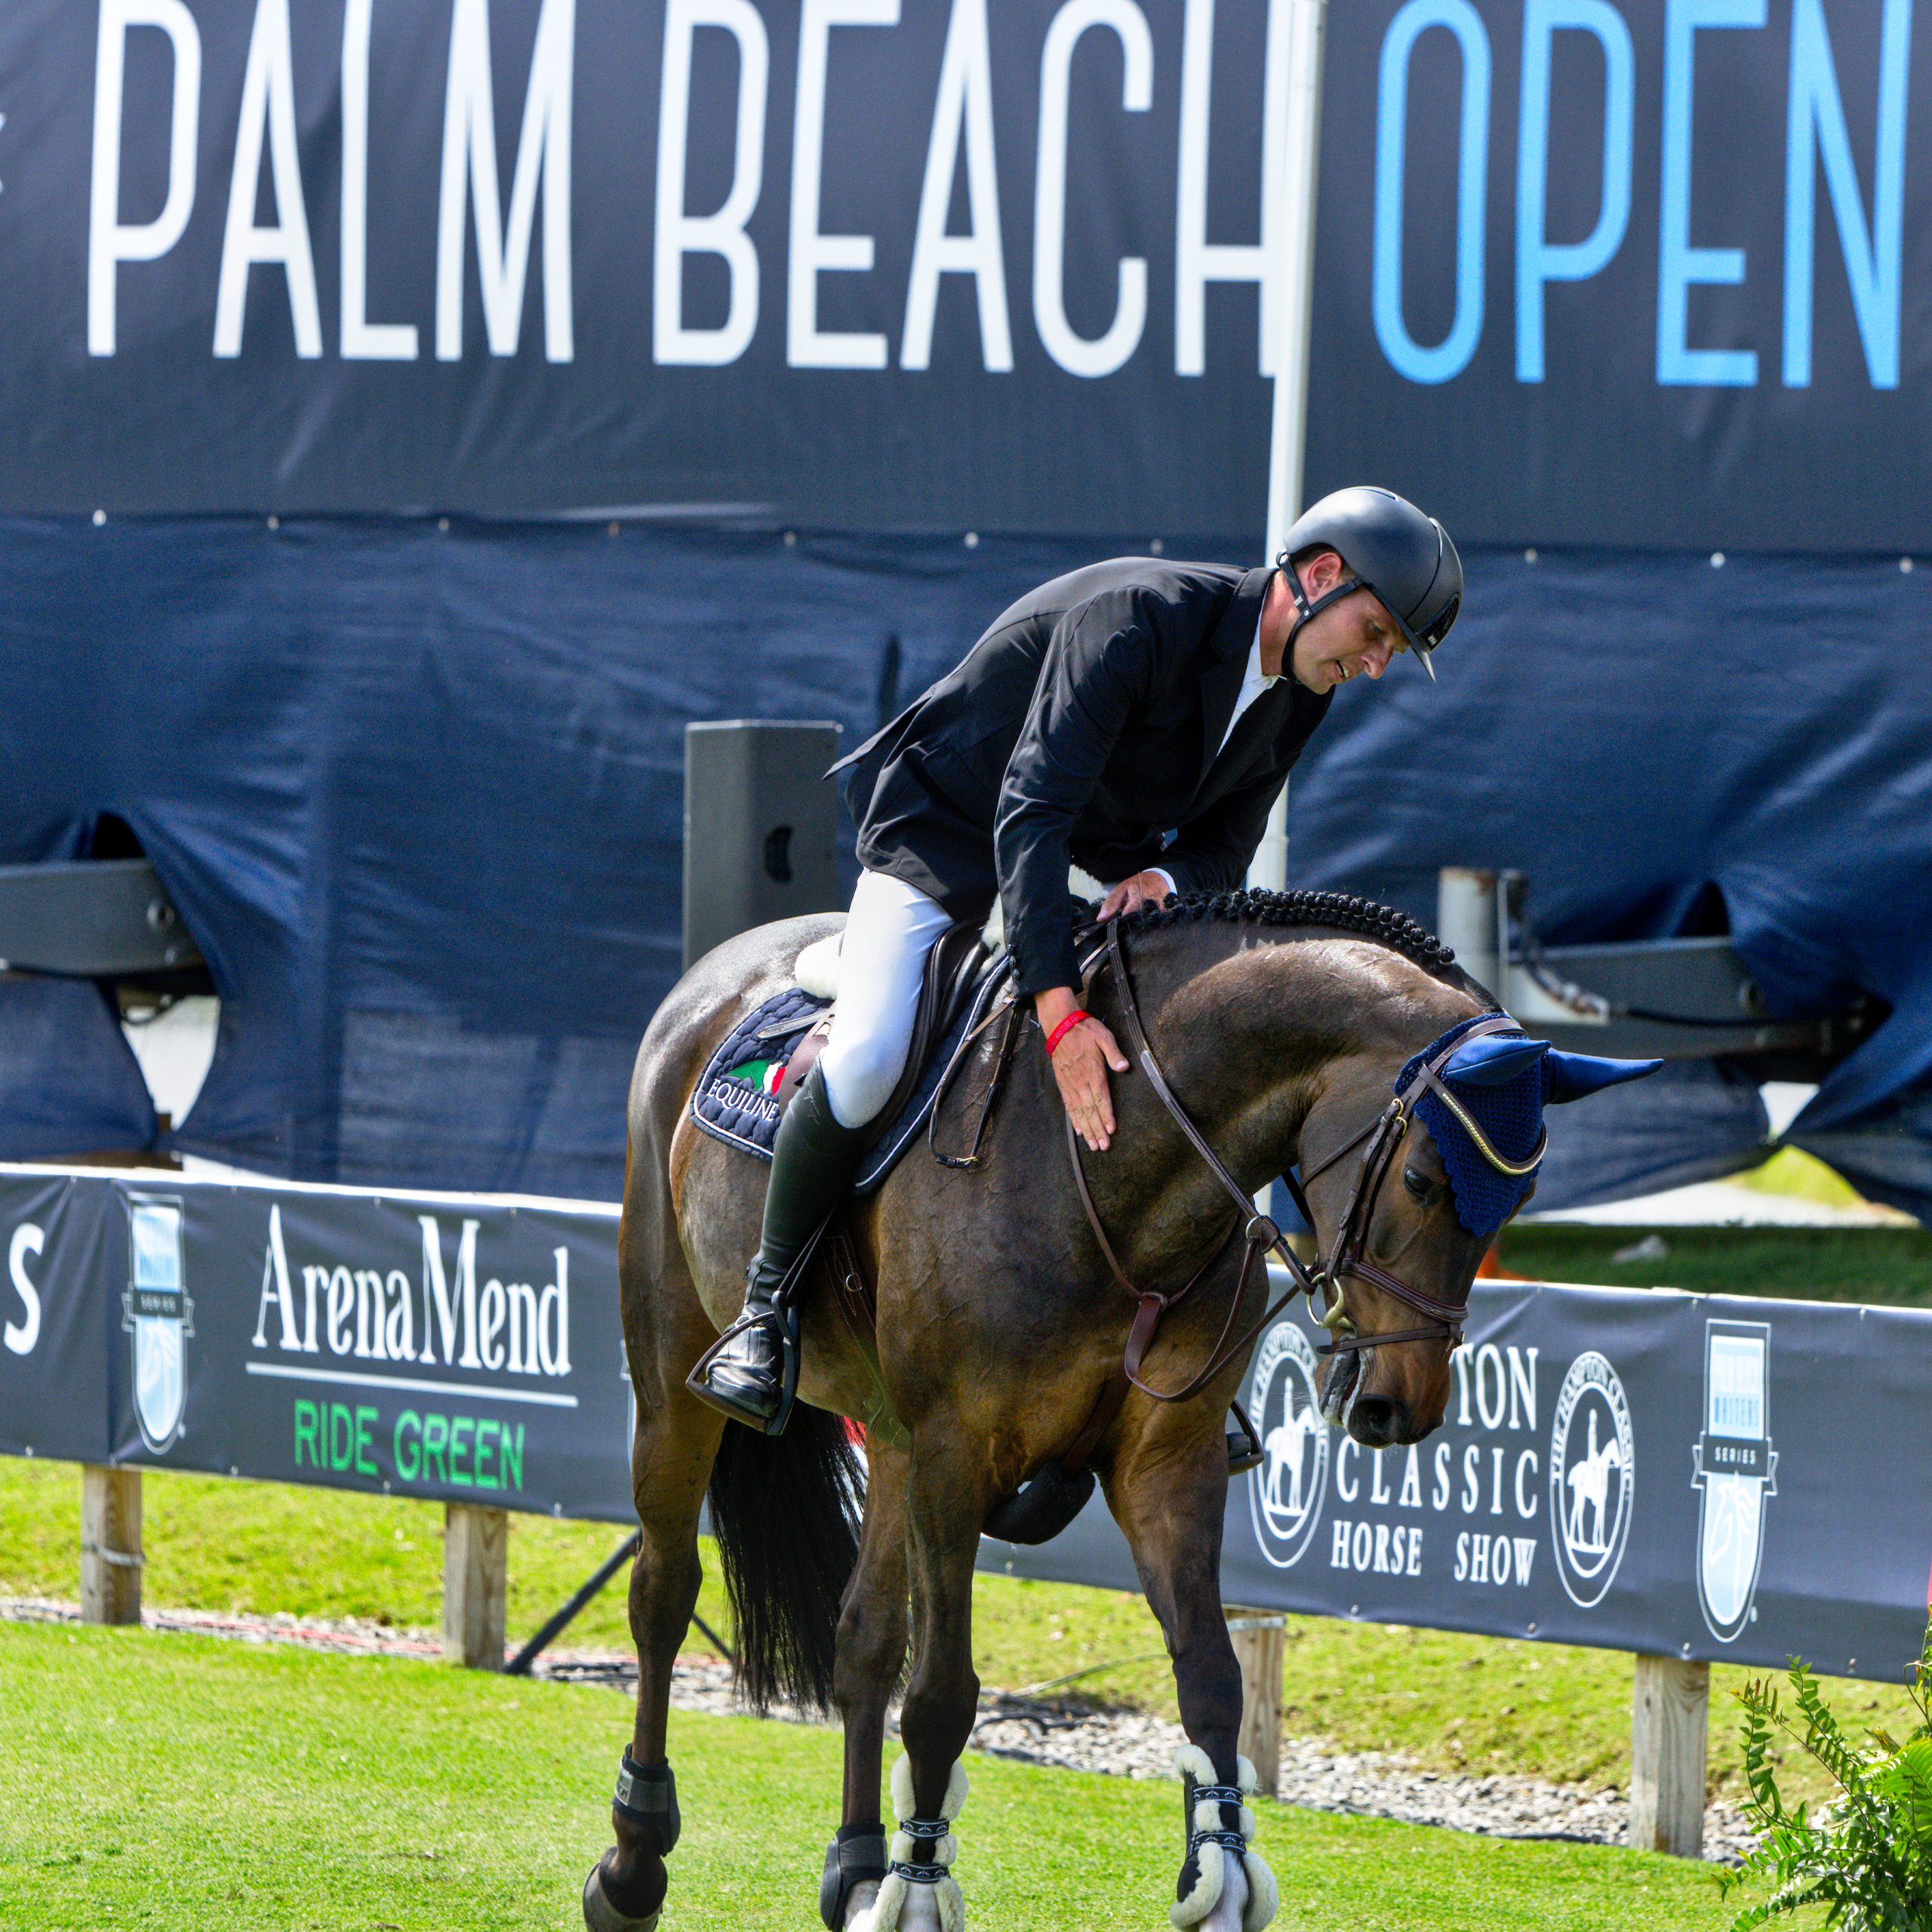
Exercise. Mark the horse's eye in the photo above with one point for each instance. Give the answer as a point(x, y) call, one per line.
point(1420, 1186)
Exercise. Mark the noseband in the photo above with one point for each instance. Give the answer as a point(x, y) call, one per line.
point(1379, 1140)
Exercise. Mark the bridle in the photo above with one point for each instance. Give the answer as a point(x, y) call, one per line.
point(1323, 1283)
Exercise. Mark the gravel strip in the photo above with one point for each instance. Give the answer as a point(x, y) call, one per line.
point(355, 1636)
point(1373, 1784)
point(1121, 1743)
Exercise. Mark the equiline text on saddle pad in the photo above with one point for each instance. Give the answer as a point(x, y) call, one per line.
point(736, 1101)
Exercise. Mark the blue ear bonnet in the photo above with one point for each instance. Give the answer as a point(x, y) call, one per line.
point(1502, 1082)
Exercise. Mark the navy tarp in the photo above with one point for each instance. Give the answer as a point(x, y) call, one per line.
point(418, 795)
point(1631, 728)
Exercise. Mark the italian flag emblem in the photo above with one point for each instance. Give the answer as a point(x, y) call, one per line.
point(765, 1075)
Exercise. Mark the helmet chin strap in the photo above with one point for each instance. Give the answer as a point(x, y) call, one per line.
point(1306, 609)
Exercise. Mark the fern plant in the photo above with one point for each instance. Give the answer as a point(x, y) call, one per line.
point(1867, 1856)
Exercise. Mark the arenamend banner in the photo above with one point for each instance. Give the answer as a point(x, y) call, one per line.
point(1589, 271)
point(56, 1356)
point(463, 1349)
point(1702, 1476)
point(1705, 1476)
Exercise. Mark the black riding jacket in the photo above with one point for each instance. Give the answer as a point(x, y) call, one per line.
point(1084, 725)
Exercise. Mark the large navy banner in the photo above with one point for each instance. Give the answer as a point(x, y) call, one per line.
point(1712, 1477)
point(1702, 1476)
point(1624, 271)
point(1631, 273)
point(465, 1349)
point(854, 262)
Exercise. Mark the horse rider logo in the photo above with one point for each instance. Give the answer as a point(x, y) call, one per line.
point(157, 1312)
point(1592, 1478)
point(1736, 1469)
point(1286, 1489)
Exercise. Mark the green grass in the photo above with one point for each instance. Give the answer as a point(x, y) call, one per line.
point(1452, 1701)
point(182, 1782)
point(215, 1543)
point(1887, 1264)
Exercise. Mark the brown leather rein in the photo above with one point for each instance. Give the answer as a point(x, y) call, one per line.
point(1444, 1320)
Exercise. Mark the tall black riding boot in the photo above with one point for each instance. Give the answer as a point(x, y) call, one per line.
point(812, 1163)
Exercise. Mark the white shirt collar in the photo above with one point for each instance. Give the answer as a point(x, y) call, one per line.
point(1252, 686)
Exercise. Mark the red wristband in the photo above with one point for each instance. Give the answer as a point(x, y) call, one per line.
point(1065, 1027)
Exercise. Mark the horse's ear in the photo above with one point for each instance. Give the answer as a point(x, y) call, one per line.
point(1490, 1061)
point(1574, 1076)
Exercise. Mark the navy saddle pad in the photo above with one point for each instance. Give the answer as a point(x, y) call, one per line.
point(735, 1101)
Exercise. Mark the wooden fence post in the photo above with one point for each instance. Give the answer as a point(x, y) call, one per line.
point(1260, 1642)
point(1669, 1736)
point(111, 1557)
point(475, 1581)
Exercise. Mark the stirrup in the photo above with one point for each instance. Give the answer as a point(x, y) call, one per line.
point(782, 1314)
point(1244, 1449)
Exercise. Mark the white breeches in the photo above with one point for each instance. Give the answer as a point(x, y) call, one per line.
point(890, 932)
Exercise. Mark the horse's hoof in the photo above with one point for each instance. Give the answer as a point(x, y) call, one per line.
point(601, 1915)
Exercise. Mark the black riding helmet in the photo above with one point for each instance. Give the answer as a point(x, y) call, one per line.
point(1393, 550)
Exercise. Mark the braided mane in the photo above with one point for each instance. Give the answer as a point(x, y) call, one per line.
point(1338, 911)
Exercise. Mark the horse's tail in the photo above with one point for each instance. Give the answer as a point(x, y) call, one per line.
point(785, 1511)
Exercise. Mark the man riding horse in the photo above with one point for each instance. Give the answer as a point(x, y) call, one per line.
point(1134, 711)
point(1019, 1324)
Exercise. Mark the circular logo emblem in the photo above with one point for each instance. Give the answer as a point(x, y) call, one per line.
point(1592, 1478)
point(1285, 1492)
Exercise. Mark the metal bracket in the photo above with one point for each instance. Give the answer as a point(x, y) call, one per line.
point(92, 919)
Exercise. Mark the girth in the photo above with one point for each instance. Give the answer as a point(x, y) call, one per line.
point(1442, 1321)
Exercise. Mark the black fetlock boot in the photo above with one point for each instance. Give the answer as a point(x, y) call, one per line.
point(751, 1374)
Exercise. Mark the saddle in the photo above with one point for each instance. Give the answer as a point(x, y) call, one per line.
point(747, 1085)
point(955, 968)
point(754, 1073)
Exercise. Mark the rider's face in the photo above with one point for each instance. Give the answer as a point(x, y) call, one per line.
point(1355, 638)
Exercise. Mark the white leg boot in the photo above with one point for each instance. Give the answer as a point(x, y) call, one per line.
point(1227, 1916)
point(1224, 1885)
point(917, 1907)
point(902, 1904)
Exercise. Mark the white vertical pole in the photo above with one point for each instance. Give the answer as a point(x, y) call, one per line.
point(1300, 24)
point(1467, 919)
point(1305, 26)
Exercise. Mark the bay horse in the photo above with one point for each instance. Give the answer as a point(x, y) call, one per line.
point(1281, 1022)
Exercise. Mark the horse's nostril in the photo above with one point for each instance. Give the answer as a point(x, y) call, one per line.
point(1377, 1420)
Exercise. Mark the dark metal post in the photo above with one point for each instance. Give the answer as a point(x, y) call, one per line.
point(625, 1552)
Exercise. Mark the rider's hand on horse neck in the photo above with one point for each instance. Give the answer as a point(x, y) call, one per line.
point(1148, 888)
point(1080, 1064)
